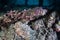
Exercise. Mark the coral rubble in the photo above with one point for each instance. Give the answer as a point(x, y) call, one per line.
point(29, 24)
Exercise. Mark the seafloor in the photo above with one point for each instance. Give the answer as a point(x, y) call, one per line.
point(29, 24)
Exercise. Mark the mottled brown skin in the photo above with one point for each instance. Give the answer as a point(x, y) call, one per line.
point(14, 16)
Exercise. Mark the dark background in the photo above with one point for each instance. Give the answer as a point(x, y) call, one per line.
point(16, 4)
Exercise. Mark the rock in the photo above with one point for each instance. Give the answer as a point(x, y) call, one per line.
point(57, 28)
point(19, 28)
point(1, 33)
point(24, 30)
point(43, 32)
point(7, 34)
point(52, 19)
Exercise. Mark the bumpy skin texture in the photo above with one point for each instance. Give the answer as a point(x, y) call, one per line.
point(40, 28)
